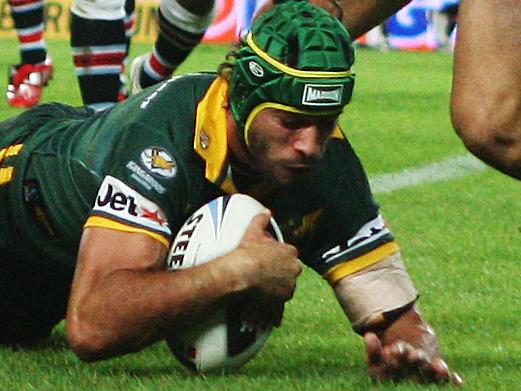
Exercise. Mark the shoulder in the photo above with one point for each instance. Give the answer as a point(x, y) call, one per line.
point(187, 87)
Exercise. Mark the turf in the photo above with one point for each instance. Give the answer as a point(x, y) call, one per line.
point(461, 240)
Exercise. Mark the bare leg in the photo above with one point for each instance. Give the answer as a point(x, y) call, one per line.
point(486, 93)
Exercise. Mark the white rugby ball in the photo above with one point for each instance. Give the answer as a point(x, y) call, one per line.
point(223, 340)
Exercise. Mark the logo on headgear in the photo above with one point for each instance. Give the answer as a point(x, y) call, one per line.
point(256, 69)
point(321, 95)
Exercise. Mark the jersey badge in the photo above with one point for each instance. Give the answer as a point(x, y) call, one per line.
point(159, 162)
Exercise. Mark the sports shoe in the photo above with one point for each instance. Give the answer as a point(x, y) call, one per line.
point(26, 82)
point(135, 72)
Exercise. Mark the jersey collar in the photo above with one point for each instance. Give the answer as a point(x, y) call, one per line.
point(211, 128)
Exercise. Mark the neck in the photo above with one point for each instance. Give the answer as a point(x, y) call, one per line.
point(236, 143)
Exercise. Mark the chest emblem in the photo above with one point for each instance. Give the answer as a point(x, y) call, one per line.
point(158, 161)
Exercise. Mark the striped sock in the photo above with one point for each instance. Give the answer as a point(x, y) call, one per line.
point(28, 21)
point(179, 33)
point(98, 48)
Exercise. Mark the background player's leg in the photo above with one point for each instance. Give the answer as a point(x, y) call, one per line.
point(99, 46)
point(27, 79)
point(182, 24)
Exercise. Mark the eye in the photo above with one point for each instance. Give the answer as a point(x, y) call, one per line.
point(293, 122)
point(327, 124)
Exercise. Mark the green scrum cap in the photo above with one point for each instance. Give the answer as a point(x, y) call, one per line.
point(297, 58)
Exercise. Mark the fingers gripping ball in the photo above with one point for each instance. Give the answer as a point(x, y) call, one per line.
point(224, 340)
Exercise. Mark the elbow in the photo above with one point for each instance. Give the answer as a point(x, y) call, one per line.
point(492, 132)
point(85, 341)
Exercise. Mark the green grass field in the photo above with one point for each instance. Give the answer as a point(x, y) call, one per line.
point(461, 240)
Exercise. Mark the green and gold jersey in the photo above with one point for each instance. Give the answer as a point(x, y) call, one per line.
point(147, 164)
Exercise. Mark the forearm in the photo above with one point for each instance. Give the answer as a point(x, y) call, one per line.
point(399, 343)
point(486, 98)
point(361, 16)
point(381, 299)
point(131, 309)
point(377, 294)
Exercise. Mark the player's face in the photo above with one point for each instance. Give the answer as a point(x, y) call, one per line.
point(285, 146)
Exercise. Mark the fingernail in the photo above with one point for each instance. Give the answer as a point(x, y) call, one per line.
point(456, 379)
point(443, 365)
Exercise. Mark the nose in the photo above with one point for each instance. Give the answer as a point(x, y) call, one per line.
point(308, 142)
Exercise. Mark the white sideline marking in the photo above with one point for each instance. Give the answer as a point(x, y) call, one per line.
point(445, 169)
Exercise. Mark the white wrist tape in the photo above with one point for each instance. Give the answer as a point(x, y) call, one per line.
point(366, 296)
point(184, 19)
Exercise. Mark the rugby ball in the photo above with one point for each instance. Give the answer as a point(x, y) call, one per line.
point(224, 340)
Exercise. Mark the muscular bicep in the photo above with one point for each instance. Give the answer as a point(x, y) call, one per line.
point(112, 249)
point(103, 251)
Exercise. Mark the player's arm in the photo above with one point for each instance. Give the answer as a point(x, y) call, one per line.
point(122, 299)
point(486, 93)
point(359, 16)
point(380, 302)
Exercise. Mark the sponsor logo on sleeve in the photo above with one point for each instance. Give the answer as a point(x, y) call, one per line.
point(118, 201)
point(322, 95)
point(144, 178)
point(368, 234)
point(159, 162)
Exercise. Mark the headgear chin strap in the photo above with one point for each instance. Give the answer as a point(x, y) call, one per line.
point(296, 58)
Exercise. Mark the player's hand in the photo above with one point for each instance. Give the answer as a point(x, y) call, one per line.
point(271, 267)
point(400, 361)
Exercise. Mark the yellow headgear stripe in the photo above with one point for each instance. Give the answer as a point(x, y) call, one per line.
point(279, 106)
point(292, 71)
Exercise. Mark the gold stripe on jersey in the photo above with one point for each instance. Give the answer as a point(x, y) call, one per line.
point(337, 133)
point(354, 265)
point(103, 222)
point(6, 174)
point(12, 150)
point(307, 223)
point(210, 140)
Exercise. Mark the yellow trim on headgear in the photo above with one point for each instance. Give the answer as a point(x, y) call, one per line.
point(280, 106)
point(292, 71)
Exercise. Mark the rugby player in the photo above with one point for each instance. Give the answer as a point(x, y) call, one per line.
point(485, 111)
point(90, 202)
point(101, 32)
